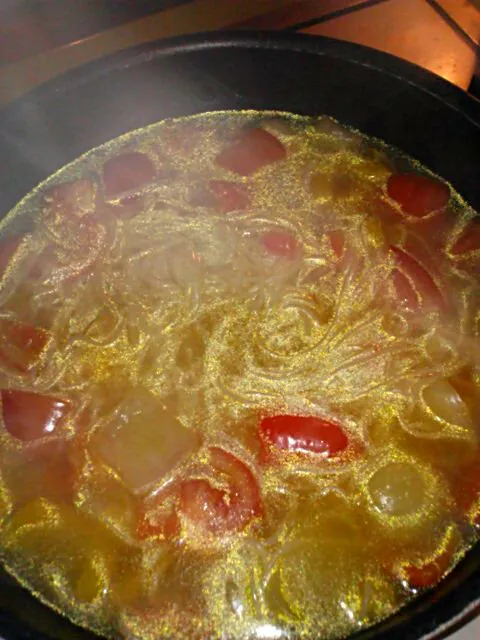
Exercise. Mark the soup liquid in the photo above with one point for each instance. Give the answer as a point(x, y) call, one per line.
point(190, 312)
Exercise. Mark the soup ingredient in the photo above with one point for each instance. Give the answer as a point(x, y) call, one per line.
point(8, 248)
point(397, 489)
point(221, 511)
point(229, 196)
point(21, 344)
point(69, 201)
point(40, 468)
point(306, 434)
point(468, 241)
point(466, 489)
point(224, 503)
point(445, 404)
point(280, 244)
point(427, 574)
point(158, 516)
point(251, 151)
point(127, 172)
point(30, 416)
point(337, 242)
point(79, 247)
point(144, 442)
point(415, 287)
point(417, 195)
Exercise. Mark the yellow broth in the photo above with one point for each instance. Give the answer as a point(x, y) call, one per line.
point(239, 381)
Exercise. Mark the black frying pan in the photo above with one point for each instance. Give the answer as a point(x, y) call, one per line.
point(382, 96)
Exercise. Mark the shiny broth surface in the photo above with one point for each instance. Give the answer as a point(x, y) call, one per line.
point(239, 380)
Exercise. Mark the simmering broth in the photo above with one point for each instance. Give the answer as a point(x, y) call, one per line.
point(240, 382)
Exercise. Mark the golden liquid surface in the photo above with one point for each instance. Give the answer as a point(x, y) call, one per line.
point(187, 316)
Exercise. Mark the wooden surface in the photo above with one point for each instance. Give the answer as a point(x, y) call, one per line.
point(42, 42)
point(410, 29)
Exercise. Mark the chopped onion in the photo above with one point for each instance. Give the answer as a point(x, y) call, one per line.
point(144, 442)
point(397, 489)
point(443, 402)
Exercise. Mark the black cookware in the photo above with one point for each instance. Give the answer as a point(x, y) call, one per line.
point(382, 96)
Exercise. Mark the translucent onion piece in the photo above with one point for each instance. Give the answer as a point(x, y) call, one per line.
point(143, 445)
point(397, 489)
point(444, 403)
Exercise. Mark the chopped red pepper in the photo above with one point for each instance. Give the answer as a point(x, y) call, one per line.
point(427, 575)
point(430, 572)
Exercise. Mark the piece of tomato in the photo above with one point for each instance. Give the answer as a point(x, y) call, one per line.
point(21, 344)
point(158, 515)
point(433, 230)
point(415, 287)
point(158, 523)
point(465, 489)
point(252, 150)
point(8, 248)
point(468, 241)
point(304, 434)
point(205, 507)
point(29, 416)
point(417, 195)
point(228, 196)
point(280, 243)
point(337, 242)
point(73, 199)
point(88, 242)
point(425, 576)
point(79, 233)
point(127, 172)
point(221, 511)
